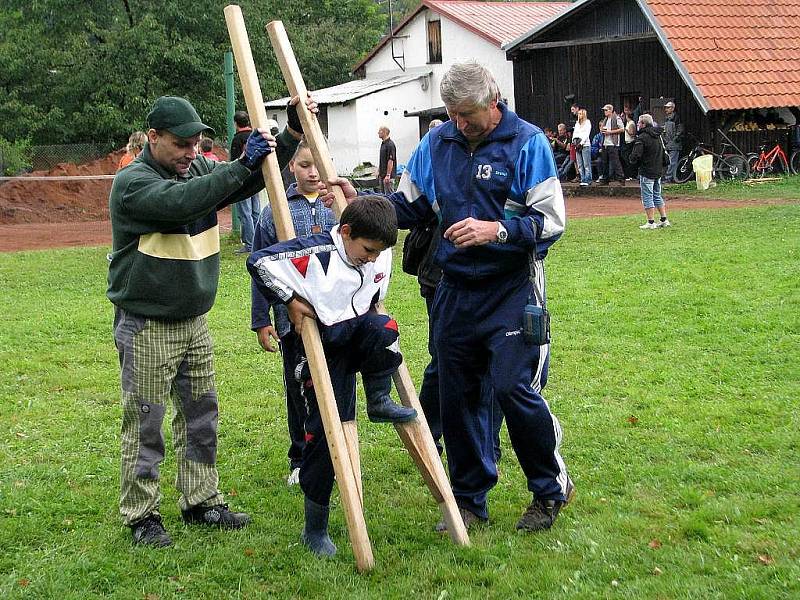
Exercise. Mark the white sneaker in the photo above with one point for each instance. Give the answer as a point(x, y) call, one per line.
point(648, 225)
point(294, 477)
point(584, 184)
point(664, 223)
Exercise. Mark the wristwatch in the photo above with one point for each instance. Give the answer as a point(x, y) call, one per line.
point(502, 234)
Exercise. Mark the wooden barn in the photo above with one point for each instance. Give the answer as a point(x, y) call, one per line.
point(732, 65)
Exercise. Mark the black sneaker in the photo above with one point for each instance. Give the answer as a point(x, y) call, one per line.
point(471, 520)
point(150, 532)
point(541, 514)
point(215, 516)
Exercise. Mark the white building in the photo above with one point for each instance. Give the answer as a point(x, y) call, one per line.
point(399, 78)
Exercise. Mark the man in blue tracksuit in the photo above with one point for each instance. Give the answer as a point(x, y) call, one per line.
point(491, 179)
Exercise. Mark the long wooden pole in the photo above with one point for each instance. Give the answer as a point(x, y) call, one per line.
point(416, 435)
point(337, 443)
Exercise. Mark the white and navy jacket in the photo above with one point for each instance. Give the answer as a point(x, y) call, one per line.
point(509, 177)
point(317, 269)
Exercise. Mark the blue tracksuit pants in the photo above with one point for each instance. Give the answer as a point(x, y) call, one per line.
point(429, 391)
point(478, 332)
point(364, 344)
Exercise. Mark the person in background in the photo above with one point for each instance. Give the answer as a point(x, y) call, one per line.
point(648, 155)
point(611, 127)
point(309, 217)
point(627, 145)
point(673, 139)
point(582, 137)
point(136, 143)
point(560, 145)
point(434, 123)
point(207, 149)
point(249, 208)
point(638, 110)
point(387, 160)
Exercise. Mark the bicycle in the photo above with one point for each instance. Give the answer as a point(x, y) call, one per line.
point(794, 162)
point(726, 165)
point(768, 163)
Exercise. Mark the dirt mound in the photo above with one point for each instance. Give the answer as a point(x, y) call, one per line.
point(60, 201)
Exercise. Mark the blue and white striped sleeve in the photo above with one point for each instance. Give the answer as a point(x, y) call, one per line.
point(279, 271)
point(416, 193)
point(535, 212)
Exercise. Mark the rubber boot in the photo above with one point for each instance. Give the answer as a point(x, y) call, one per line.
point(315, 533)
point(380, 407)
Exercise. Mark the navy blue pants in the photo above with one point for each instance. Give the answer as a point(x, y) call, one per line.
point(292, 353)
point(429, 390)
point(360, 344)
point(478, 333)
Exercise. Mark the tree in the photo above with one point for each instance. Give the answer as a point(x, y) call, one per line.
point(81, 71)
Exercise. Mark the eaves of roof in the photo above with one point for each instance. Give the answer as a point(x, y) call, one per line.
point(351, 90)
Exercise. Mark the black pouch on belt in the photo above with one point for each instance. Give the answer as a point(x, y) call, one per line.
point(535, 318)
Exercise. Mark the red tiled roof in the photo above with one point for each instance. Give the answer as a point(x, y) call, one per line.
point(497, 22)
point(739, 53)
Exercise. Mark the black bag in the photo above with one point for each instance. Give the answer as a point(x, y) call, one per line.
point(416, 245)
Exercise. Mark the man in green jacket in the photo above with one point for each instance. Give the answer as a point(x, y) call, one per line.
point(162, 279)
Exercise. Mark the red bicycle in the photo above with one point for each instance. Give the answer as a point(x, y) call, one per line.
point(765, 163)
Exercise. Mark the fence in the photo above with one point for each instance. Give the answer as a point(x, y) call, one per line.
point(47, 157)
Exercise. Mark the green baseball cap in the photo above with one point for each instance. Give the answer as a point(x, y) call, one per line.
point(177, 116)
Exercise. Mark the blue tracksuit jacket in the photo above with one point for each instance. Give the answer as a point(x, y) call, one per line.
point(511, 177)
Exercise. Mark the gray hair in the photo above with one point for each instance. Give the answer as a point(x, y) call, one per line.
point(434, 123)
point(468, 82)
point(646, 119)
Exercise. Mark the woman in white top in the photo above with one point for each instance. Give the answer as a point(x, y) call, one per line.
point(583, 132)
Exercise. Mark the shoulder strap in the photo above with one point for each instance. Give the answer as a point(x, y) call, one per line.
point(532, 275)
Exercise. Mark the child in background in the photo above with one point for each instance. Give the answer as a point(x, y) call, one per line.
point(337, 278)
point(309, 216)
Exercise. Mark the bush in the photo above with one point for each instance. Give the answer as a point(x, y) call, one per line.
point(15, 157)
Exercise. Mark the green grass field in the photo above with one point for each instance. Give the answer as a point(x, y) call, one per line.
point(787, 188)
point(675, 372)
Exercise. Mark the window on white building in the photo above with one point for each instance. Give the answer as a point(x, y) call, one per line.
point(434, 42)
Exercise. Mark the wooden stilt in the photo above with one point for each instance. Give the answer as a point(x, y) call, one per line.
point(351, 437)
point(416, 434)
point(337, 442)
point(417, 438)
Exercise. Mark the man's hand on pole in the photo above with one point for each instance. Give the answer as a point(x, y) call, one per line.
point(298, 310)
point(265, 337)
point(258, 145)
point(472, 232)
point(293, 119)
point(326, 192)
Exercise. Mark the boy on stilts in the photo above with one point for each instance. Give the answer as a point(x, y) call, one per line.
point(337, 278)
